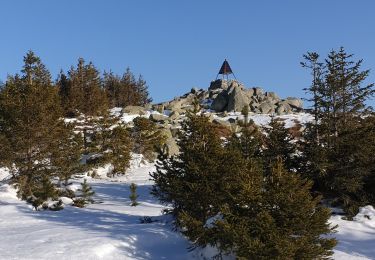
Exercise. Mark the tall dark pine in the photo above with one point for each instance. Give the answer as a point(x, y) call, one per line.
point(87, 95)
point(30, 113)
point(317, 72)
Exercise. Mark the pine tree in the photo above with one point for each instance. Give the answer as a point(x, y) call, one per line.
point(86, 194)
point(30, 113)
point(189, 181)
point(337, 148)
point(121, 146)
point(248, 141)
point(280, 221)
point(86, 92)
point(67, 152)
point(65, 93)
point(279, 143)
point(316, 89)
point(133, 195)
point(221, 197)
point(146, 137)
point(111, 144)
point(126, 90)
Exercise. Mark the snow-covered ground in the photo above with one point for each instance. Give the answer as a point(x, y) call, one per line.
point(111, 229)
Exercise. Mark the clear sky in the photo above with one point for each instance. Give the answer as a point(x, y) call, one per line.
point(177, 45)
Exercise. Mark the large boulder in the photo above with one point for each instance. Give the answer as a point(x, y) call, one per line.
point(134, 110)
point(170, 142)
point(294, 102)
point(272, 95)
point(218, 84)
point(220, 102)
point(158, 118)
point(258, 91)
point(174, 115)
point(283, 108)
point(266, 108)
point(237, 99)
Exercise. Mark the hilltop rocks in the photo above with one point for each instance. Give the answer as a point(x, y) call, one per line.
point(231, 95)
point(134, 110)
point(236, 96)
point(237, 99)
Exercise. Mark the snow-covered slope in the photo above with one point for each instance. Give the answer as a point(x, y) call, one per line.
point(110, 228)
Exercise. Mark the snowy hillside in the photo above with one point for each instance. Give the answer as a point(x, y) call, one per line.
point(111, 229)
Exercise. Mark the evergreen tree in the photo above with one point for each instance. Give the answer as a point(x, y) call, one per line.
point(67, 153)
point(111, 143)
point(281, 220)
point(189, 181)
point(337, 150)
point(133, 195)
point(235, 206)
point(316, 89)
point(126, 90)
point(279, 143)
point(30, 113)
point(86, 92)
point(86, 194)
point(146, 137)
point(248, 141)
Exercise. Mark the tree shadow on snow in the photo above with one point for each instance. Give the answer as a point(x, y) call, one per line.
point(154, 240)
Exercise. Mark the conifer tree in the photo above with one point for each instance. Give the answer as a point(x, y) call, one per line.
point(67, 152)
point(279, 221)
point(111, 143)
point(146, 137)
point(85, 196)
point(126, 90)
point(337, 150)
point(30, 113)
point(86, 92)
point(133, 195)
point(279, 143)
point(189, 181)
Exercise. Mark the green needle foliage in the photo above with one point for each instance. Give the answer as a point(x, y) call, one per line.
point(133, 195)
point(85, 196)
point(221, 196)
point(146, 137)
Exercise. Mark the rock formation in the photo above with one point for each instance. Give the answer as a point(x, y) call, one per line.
point(231, 95)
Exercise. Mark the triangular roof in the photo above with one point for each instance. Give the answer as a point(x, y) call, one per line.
point(225, 68)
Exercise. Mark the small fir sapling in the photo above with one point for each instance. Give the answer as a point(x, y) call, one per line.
point(86, 195)
point(133, 195)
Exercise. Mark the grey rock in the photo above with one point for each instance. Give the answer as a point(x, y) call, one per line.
point(158, 118)
point(218, 84)
point(174, 115)
point(294, 102)
point(134, 110)
point(258, 91)
point(249, 92)
point(170, 142)
point(272, 95)
point(237, 99)
point(220, 102)
point(265, 108)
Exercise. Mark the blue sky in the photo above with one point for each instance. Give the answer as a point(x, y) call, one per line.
point(177, 45)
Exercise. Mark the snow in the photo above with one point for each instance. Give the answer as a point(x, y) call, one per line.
point(356, 239)
point(111, 229)
point(107, 229)
point(264, 119)
point(4, 173)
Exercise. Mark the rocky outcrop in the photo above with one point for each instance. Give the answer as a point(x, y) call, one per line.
point(233, 96)
point(134, 110)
